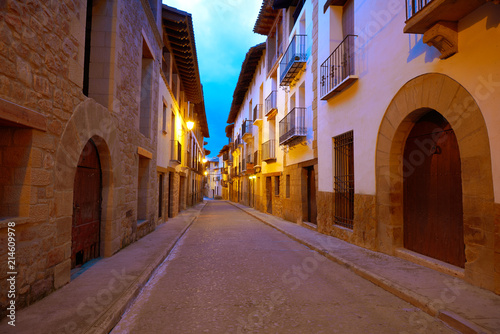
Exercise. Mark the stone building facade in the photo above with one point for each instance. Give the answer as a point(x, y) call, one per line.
point(399, 151)
point(78, 117)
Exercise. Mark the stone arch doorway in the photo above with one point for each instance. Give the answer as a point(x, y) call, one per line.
point(86, 220)
point(450, 99)
point(432, 191)
point(89, 121)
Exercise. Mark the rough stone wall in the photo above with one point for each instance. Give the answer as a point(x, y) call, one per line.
point(174, 196)
point(292, 207)
point(497, 248)
point(41, 50)
point(364, 227)
point(132, 20)
point(36, 49)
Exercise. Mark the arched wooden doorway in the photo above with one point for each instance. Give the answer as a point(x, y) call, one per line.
point(85, 234)
point(432, 182)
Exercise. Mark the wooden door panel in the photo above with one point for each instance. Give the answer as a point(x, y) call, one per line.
point(433, 216)
point(85, 235)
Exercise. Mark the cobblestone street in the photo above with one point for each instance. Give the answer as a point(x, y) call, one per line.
point(230, 273)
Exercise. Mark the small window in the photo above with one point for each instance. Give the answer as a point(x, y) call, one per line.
point(288, 186)
point(277, 186)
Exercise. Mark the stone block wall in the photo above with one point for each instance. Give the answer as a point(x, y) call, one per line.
point(41, 52)
point(364, 227)
point(292, 206)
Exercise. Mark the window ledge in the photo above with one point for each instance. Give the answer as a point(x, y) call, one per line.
point(350, 79)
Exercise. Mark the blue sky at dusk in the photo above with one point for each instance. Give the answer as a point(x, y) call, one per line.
point(223, 33)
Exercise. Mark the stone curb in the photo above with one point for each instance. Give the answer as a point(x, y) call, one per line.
point(425, 304)
point(110, 317)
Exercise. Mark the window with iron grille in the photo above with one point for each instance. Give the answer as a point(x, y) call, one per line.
point(344, 179)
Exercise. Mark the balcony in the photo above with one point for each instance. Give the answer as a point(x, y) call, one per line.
point(243, 165)
point(225, 170)
point(294, 60)
point(237, 142)
point(293, 125)
point(225, 156)
point(257, 158)
point(175, 151)
point(338, 70)
point(257, 114)
point(438, 21)
point(246, 129)
point(271, 104)
point(269, 151)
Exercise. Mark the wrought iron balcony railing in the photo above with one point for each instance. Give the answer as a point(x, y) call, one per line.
point(250, 158)
point(269, 150)
point(246, 127)
point(338, 71)
point(237, 142)
point(271, 102)
point(293, 60)
point(293, 125)
point(175, 151)
point(257, 112)
point(414, 6)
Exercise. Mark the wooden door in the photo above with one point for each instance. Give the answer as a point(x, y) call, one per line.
point(170, 211)
point(311, 196)
point(85, 235)
point(433, 214)
point(269, 194)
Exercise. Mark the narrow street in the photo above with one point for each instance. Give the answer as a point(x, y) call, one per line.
point(231, 273)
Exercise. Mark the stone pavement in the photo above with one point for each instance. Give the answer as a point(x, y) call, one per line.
point(462, 306)
point(94, 301)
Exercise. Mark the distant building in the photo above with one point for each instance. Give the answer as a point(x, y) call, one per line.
point(214, 178)
point(376, 122)
point(83, 96)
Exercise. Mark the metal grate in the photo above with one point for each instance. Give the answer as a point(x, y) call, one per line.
point(344, 180)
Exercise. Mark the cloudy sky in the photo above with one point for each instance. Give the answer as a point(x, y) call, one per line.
point(223, 32)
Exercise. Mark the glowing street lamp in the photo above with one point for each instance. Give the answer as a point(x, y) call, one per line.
point(204, 160)
point(190, 125)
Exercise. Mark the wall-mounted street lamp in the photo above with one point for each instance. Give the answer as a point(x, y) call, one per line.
point(204, 160)
point(190, 125)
